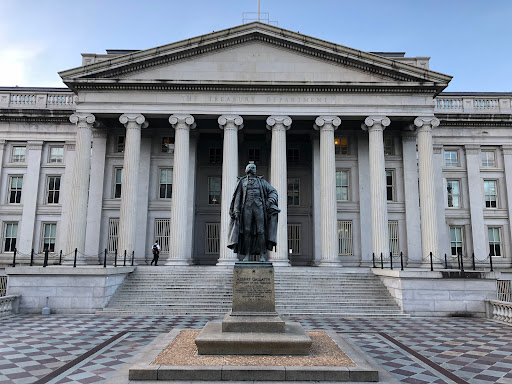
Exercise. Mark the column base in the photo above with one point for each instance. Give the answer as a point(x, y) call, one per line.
point(330, 263)
point(177, 262)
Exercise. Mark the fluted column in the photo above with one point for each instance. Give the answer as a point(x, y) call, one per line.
point(130, 182)
point(375, 126)
point(230, 124)
point(429, 235)
point(328, 207)
point(178, 231)
point(77, 219)
point(278, 178)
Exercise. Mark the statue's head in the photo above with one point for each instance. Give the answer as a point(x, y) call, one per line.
point(250, 169)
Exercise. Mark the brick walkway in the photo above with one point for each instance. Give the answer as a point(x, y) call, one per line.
point(89, 349)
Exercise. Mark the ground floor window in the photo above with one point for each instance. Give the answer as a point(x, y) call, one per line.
point(113, 233)
point(456, 241)
point(10, 235)
point(212, 237)
point(162, 231)
point(294, 236)
point(345, 238)
point(394, 245)
point(49, 236)
point(494, 241)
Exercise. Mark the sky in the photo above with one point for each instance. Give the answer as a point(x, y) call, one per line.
point(470, 40)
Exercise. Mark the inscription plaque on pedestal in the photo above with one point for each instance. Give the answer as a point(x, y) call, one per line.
point(253, 288)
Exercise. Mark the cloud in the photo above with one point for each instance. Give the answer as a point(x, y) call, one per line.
point(15, 61)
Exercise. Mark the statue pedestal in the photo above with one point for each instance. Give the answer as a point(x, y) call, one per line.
point(253, 327)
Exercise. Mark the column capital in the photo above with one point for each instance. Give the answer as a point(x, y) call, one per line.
point(327, 123)
point(507, 149)
point(133, 120)
point(375, 122)
point(426, 123)
point(182, 121)
point(230, 122)
point(83, 120)
point(279, 123)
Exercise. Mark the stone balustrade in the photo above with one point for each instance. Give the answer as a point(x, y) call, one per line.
point(499, 310)
point(38, 100)
point(473, 104)
point(8, 305)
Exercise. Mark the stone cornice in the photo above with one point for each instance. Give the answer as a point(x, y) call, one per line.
point(471, 120)
point(35, 115)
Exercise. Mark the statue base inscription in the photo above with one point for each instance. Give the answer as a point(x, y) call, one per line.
point(253, 327)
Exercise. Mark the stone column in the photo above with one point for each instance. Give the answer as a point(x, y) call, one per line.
point(328, 206)
point(2, 149)
point(429, 225)
point(412, 206)
point(230, 124)
point(375, 126)
point(95, 205)
point(77, 219)
point(178, 231)
point(278, 178)
point(365, 213)
point(130, 182)
point(507, 164)
point(29, 197)
point(440, 188)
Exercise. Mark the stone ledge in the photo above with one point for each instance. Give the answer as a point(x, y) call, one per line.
point(65, 270)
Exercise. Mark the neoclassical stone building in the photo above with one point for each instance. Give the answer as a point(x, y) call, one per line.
point(367, 153)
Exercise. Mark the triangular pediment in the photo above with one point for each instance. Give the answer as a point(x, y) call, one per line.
point(253, 53)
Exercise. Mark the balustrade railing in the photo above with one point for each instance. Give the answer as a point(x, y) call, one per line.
point(499, 310)
point(37, 100)
point(473, 104)
point(8, 305)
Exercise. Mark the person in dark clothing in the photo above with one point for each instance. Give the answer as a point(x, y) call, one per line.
point(156, 253)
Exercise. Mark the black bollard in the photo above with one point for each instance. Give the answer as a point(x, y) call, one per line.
point(461, 263)
point(431, 262)
point(124, 259)
point(45, 262)
point(381, 261)
point(445, 262)
point(14, 258)
point(473, 258)
point(490, 262)
point(105, 259)
point(115, 259)
point(74, 261)
point(133, 257)
point(391, 260)
point(373, 259)
point(32, 257)
point(402, 261)
point(60, 257)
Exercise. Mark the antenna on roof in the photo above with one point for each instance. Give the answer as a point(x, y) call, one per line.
point(261, 17)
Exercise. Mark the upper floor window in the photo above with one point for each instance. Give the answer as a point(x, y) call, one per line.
point(488, 158)
point(118, 177)
point(53, 190)
point(215, 155)
point(214, 189)
point(15, 185)
point(453, 190)
point(342, 185)
point(254, 155)
point(167, 145)
point(390, 185)
point(49, 237)
point(293, 156)
point(451, 158)
point(456, 241)
point(389, 148)
point(56, 155)
point(341, 146)
point(18, 154)
point(490, 193)
point(120, 144)
point(166, 183)
point(494, 234)
point(294, 191)
point(10, 235)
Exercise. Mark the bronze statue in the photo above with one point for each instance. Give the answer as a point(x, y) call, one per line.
point(253, 211)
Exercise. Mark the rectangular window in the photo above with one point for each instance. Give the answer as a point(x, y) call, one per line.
point(341, 146)
point(394, 244)
point(390, 185)
point(494, 241)
point(215, 155)
point(292, 156)
point(49, 236)
point(342, 185)
point(453, 190)
point(120, 144)
point(294, 231)
point(490, 193)
point(456, 241)
point(10, 235)
point(504, 288)
point(389, 148)
point(488, 158)
point(56, 155)
point(294, 191)
point(451, 159)
point(167, 147)
point(118, 177)
point(113, 233)
point(162, 231)
point(345, 238)
point(18, 154)
point(53, 190)
point(15, 185)
point(166, 175)
point(212, 237)
point(214, 188)
point(254, 155)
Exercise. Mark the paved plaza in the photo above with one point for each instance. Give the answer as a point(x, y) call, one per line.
point(90, 349)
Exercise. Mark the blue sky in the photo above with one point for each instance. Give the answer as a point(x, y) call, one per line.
point(468, 39)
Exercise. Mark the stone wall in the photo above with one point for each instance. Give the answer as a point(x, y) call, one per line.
point(69, 290)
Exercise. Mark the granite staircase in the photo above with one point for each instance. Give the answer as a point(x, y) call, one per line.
point(207, 290)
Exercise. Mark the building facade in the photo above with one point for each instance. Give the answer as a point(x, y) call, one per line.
point(367, 152)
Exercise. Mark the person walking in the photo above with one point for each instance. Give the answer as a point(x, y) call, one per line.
point(156, 252)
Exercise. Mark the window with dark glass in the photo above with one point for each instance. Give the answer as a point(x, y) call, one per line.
point(390, 185)
point(166, 183)
point(294, 191)
point(253, 155)
point(494, 234)
point(214, 190)
point(167, 145)
point(456, 241)
point(49, 236)
point(15, 186)
point(120, 144)
point(10, 234)
point(118, 177)
point(215, 155)
point(293, 156)
point(53, 190)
